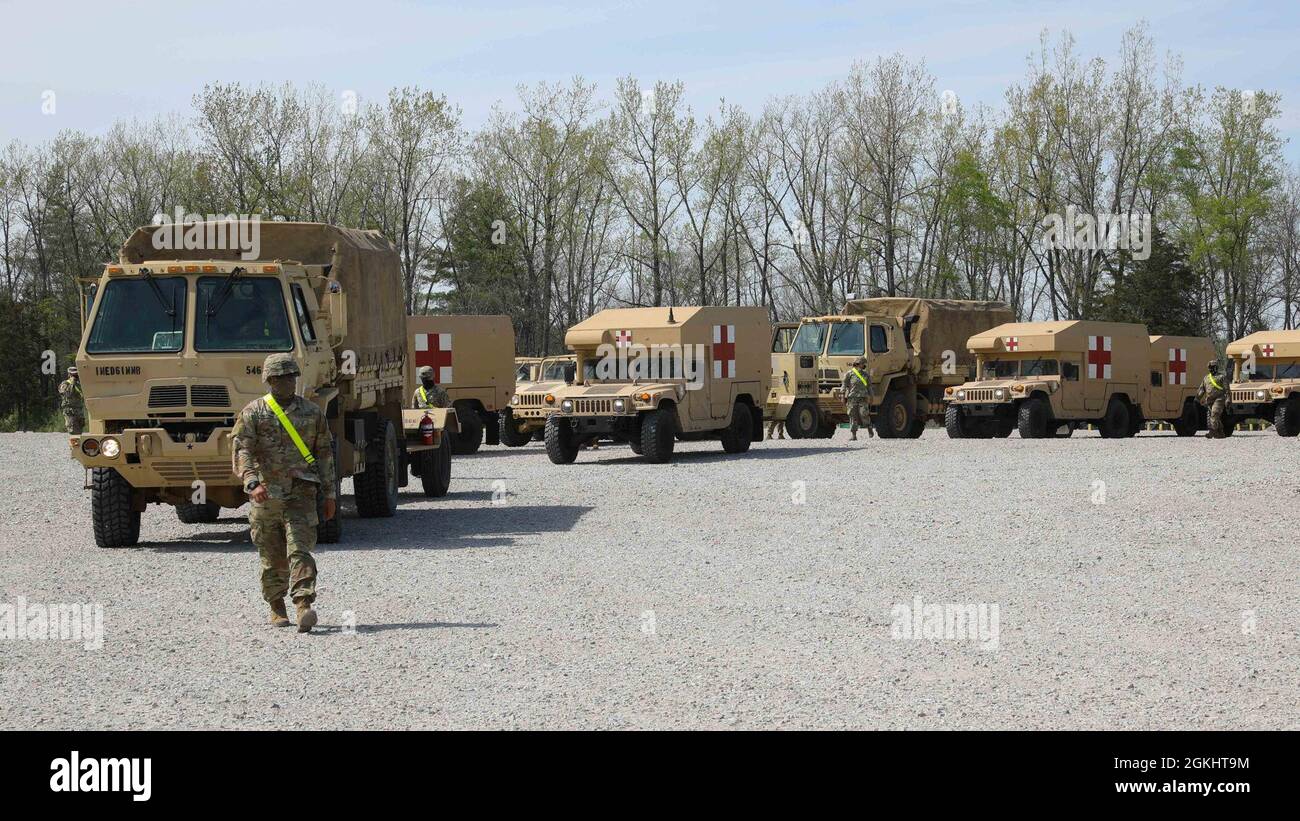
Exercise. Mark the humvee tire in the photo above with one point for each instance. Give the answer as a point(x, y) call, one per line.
point(469, 438)
point(435, 469)
point(198, 514)
point(894, 419)
point(1189, 422)
point(737, 436)
point(657, 435)
point(955, 423)
point(329, 532)
point(376, 486)
point(561, 448)
point(1115, 424)
point(802, 421)
point(1286, 419)
point(510, 435)
point(116, 523)
point(1032, 419)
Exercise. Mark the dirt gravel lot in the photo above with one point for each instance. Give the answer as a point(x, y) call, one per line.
point(1145, 583)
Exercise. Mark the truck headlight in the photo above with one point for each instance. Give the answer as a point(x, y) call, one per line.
point(619, 405)
point(999, 394)
point(961, 394)
point(90, 447)
point(110, 447)
point(567, 406)
point(514, 400)
point(1261, 395)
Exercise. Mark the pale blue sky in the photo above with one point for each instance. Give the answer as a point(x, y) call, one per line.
point(110, 60)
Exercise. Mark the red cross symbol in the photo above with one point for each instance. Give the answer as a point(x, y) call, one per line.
point(434, 350)
point(1013, 343)
point(724, 351)
point(1267, 350)
point(1177, 366)
point(623, 339)
point(1099, 357)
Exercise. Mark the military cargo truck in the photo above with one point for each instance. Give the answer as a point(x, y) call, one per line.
point(172, 351)
point(473, 360)
point(525, 419)
point(1048, 378)
point(650, 376)
point(915, 349)
point(1266, 380)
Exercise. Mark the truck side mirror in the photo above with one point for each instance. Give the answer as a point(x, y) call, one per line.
point(570, 371)
point(337, 304)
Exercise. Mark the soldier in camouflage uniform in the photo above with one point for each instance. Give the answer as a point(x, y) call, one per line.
point(1213, 396)
point(857, 395)
point(430, 394)
point(283, 484)
point(72, 403)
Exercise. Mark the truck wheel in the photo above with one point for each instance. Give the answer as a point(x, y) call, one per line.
point(801, 423)
point(955, 423)
point(331, 531)
point(376, 486)
point(196, 514)
point(1031, 418)
point(1115, 424)
point(470, 436)
point(510, 435)
point(826, 428)
point(657, 435)
point(1286, 419)
point(1229, 425)
point(894, 419)
point(435, 469)
point(1190, 420)
point(737, 435)
point(561, 447)
point(116, 522)
point(918, 428)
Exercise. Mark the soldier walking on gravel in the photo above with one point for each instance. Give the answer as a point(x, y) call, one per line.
point(1211, 395)
point(430, 394)
point(857, 395)
point(284, 457)
point(72, 403)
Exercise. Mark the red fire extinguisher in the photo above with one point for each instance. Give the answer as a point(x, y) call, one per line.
point(426, 430)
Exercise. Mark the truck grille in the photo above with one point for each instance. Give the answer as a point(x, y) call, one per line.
point(828, 373)
point(532, 400)
point(979, 395)
point(167, 396)
point(1245, 396)
point(209, 396)
point(186, 472)
point(593, 406)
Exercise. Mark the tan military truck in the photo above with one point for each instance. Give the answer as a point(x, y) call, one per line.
point(650, 376)
point(473, 360)
point(1266, 380)
point(525, 419)
point(1048, 378)
point(173, 347)
point(915, 349)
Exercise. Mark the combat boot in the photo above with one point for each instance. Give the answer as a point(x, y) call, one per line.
point(306, 616)
point(853, 436)
point(279, 616)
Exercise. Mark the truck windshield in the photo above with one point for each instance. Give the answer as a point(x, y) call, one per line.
point(1278, 370)
point(846, 339)
point(251, 318)
point(810, 339)
point(999, 368)
point(133, 317)
point(553, 371)
point(782, 339)
point(1040, 367)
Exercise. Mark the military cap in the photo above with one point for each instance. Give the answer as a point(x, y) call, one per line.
point(72, 370)
point(279, 364)
point(425, 372)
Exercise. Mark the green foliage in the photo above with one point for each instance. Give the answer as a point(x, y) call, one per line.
point(1161, 292)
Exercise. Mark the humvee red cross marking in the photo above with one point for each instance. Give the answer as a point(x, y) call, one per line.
point(623, 339)
point(1177, 366)
point(1013, 343)
point(724, 351)
point(1267, 350)
point(434, 350)
point(1099, 357)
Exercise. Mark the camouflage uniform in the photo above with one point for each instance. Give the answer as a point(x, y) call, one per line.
point(430, 394)
point(284, 526)
point(857, 395)
point(1213, 396)
point(72, 403)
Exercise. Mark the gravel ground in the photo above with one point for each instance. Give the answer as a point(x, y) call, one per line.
point(702, 594)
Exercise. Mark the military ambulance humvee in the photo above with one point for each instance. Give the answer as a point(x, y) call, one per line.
point(914, 348)
point(1266, 384)
point(473, 360)
point(525, 419)
point(1047, 378)
point(648, 376)
point(173, 348)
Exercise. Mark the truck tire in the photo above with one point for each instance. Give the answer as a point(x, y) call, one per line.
point(116, 522)
point(561, 447)
point(469, 438)
point(435, 469)
point(1229, 425)
point(801, 422)
point(376, 486)
point(510, 435)
point(894, 420)
point(1032, 418)
point(331, 531)
point(657, 435)
point(737, 436)
point(955, 423)
point(492, 428)
point(918, 428)
point(1286, 419)
point(198, 514)
point(1189, 422)
point(1115, 423)
point(826, 428)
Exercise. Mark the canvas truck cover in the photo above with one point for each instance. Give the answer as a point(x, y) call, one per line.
point(365, 263)
point(944, 324)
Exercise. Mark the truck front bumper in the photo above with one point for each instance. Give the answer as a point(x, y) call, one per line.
point(149, 458)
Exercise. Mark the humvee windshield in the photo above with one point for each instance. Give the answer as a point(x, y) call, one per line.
point(140, 316)
point(251, 318)
point(999, 369)
point(523, 373)
point(782, 340)
point(1040, 367)
point(810, 339)
point(1267, 373)
point(553, 371)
